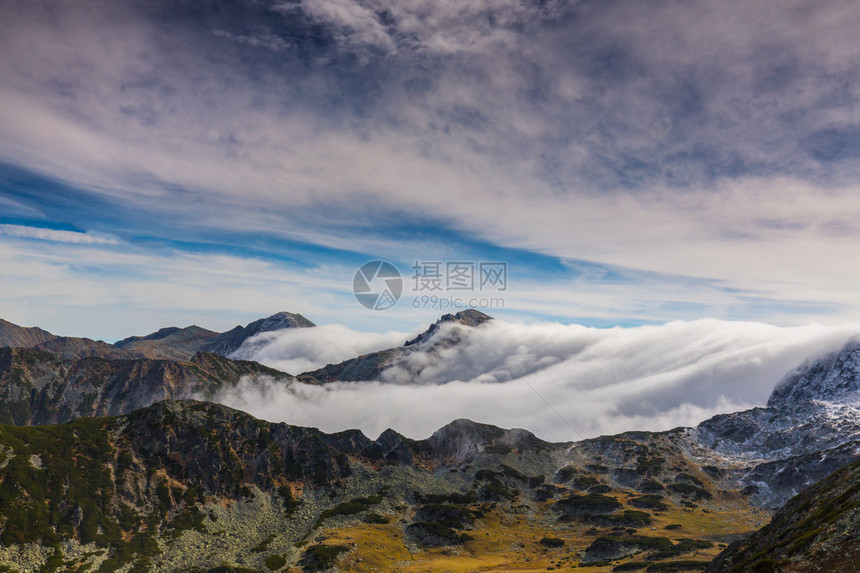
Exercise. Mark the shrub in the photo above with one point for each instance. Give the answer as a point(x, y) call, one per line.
point(552, 542)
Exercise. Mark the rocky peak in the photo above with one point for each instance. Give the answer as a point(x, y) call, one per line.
point(280, 321)
point(12, 335)
point(230, 341)
point(833, 378)
point(469, 317)
point(462, 439)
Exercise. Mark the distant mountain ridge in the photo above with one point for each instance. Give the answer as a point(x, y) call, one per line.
point(13, 335)
point(169, 343)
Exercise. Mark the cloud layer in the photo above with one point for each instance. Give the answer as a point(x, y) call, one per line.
point(304, 349)
point(597, 381)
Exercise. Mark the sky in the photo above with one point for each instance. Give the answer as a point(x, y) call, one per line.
point(631, 163)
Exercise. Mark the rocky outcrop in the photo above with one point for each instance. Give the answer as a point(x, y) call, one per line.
point(469, 317)
point(818, 530)
point(444, 333)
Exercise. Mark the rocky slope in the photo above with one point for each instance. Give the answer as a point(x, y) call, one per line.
point(40, 387)
point(196, 486)
point(170, 343)
point(810, 427)
point(22, 337)
point(74, 348)
point(444, 333)
point(819, 530)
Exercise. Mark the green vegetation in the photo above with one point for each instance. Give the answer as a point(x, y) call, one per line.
point(351, 507)
point(649, 465)
point(690, 490)
point(553, 542)
point(453, 516)
point(651, 486)
point(344, 508)
point(585, 482)
point(470, 496)
point(632, 566)
point(678, 566)
point(321, 557)
point(588, 504)
point(434, 533)
point(493, 489)
point(275, 562)
point(651, 501)
point(680, 548)
point(376, 518)
point(685, 477)
point(566, 473)
point(290, 504)
point(628, 518)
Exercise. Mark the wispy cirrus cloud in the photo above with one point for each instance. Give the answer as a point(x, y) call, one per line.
point(54, 235)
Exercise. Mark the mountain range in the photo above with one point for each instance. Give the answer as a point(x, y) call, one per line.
point(163, 482)
point(170, 343)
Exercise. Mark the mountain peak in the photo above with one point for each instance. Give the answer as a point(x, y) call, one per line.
point(157, 335)
point(230, 341)
point(281, 320)
point(832, 378)
point(469, 317)
point(13, 335)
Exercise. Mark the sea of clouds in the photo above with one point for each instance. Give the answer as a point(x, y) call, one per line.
point(562, 382)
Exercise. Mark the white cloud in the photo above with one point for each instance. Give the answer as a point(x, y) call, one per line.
point(297, 350)
point(598, 380)
point(54, 235)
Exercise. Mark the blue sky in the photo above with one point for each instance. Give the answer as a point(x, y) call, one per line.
point(632, 162)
